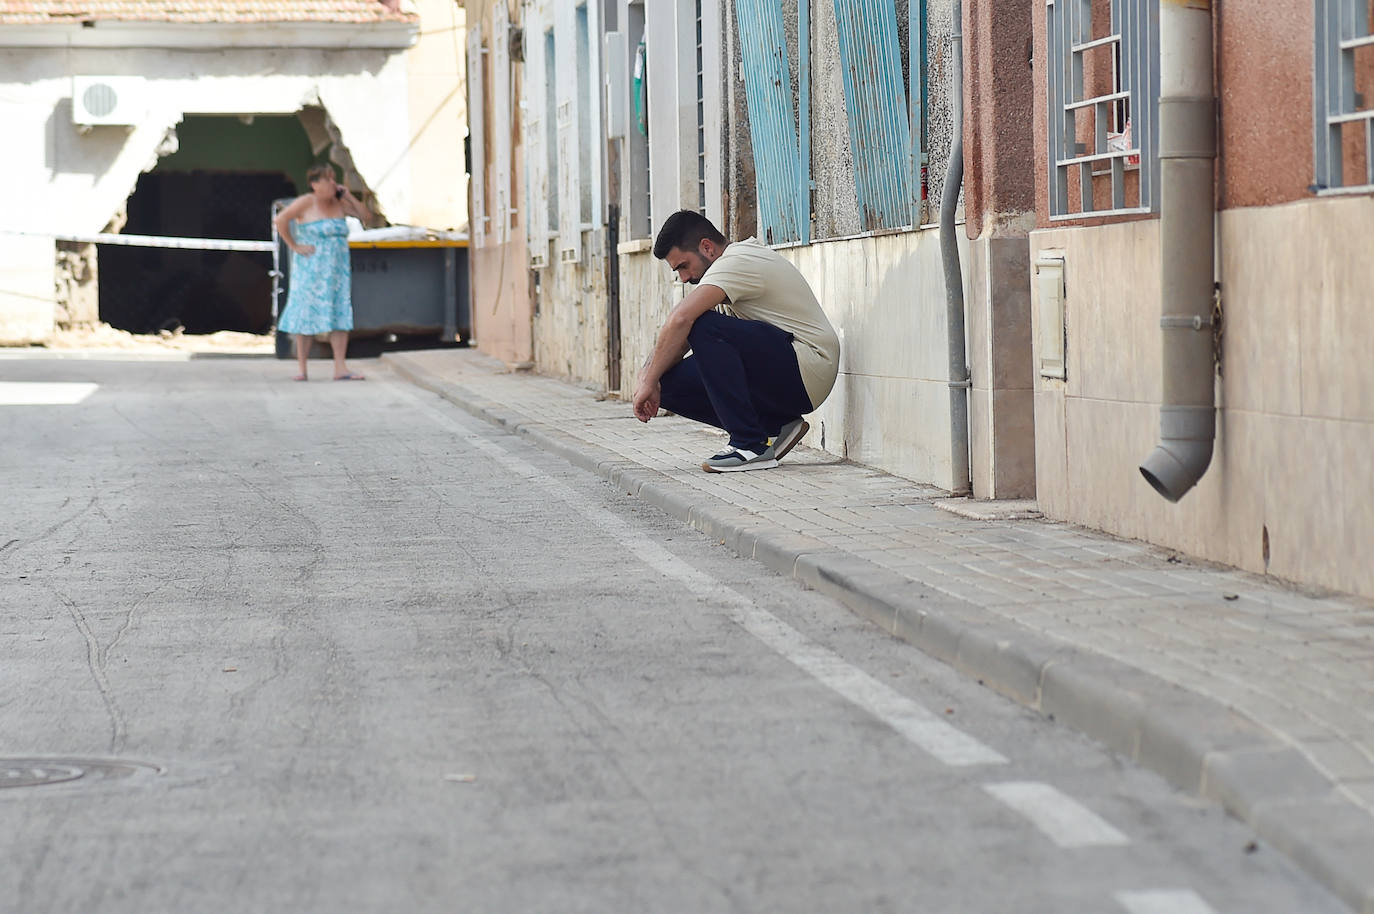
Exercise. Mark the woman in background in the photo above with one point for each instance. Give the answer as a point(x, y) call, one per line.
point(320, 295)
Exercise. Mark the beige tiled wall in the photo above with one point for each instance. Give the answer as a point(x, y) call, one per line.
point(1296, 424)
point(891, 406)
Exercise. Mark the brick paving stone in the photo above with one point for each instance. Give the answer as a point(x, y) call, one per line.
point(1295, 662)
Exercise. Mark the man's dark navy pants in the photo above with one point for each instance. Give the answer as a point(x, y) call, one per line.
point(742, 376)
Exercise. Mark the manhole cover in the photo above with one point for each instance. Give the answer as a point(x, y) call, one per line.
point(35, 772)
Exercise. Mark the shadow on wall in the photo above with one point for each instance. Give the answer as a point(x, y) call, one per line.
point(69, 151)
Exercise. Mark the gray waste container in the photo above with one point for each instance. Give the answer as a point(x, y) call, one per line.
point(415, 287)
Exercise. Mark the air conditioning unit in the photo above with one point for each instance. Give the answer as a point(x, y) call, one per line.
point(103, 100)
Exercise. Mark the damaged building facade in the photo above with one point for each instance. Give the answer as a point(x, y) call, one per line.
point(188, 119)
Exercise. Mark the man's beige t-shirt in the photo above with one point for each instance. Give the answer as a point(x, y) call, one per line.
point(760, 285)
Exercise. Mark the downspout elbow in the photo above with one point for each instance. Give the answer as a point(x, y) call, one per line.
point(1187, 435)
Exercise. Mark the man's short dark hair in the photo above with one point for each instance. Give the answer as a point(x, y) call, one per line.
point(685, 230)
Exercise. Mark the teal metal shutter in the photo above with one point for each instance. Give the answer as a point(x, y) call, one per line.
point(772, 119)
point(880, 115)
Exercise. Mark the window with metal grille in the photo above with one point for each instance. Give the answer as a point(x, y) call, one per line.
point(1343, 73)
point(477, 133)
point(1103, 107)
point(780, 169)
point(585, 100)
point(886, 112)
point(701, 118)
point(550, 122)
point(883, 64)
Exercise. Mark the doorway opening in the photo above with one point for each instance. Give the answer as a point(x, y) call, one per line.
point(219, 184)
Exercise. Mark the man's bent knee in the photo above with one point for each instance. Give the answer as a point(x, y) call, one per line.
point(706, 329)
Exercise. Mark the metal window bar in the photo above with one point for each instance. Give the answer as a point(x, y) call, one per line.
point(807, 184)
point(584, 117)
point(879, 109)
point(551, 138)
point(701, 119)
point(773, 120)
point(1129, 110)
point(1342, 28)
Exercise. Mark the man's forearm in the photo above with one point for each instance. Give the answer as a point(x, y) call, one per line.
point(672, 343)
point(668, 351)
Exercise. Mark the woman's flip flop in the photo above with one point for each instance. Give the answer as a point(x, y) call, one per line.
point(350, 377)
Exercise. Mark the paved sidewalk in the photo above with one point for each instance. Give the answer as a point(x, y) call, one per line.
point(1232, 686)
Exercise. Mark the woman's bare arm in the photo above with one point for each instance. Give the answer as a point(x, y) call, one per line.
point(354, 207)
point(284, 218)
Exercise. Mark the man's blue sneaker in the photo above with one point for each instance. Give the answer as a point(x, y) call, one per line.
point(736, 460)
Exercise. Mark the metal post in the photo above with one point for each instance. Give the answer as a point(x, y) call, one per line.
point(959, 382)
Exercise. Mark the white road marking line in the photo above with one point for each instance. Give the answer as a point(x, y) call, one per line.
point(1164, 901)
point(40, 393)
point(1064, 820)
point(921, 727)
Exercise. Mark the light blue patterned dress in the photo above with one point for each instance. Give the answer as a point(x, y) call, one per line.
point(320, 294)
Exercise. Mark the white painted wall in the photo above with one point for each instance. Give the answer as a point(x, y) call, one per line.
point(885, 296)
point(61, 180)
point(67, 181)
point(437, 90)
point(670, 30)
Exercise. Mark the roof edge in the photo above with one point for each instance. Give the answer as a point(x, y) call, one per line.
point(393, 34)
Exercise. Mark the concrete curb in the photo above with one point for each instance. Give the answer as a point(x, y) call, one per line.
point(1192, 741)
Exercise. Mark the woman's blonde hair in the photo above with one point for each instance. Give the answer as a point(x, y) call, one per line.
point(316, 172)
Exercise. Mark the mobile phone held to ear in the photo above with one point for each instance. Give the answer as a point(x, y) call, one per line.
point(339, 192)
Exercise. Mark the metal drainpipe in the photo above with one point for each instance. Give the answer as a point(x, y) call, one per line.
point(959, 382)
point(1187, 151)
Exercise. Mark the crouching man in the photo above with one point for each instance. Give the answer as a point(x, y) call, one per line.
point(755, 369)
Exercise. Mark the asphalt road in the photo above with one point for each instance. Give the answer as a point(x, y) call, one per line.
point(356, 651)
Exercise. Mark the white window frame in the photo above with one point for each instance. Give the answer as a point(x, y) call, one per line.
point(576, 116)
point(636, 150)
point(712, 67)
point(504, 208)
point(672, 51)
point(539, 139)
point(477, 221)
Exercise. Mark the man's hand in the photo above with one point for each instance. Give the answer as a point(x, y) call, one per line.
point(671, 346)
point(646, 401)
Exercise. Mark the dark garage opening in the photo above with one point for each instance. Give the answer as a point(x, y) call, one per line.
point(220, 183)
point(144, 290)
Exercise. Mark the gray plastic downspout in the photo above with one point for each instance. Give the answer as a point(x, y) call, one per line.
point(1187, 150)
point(959, 382)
